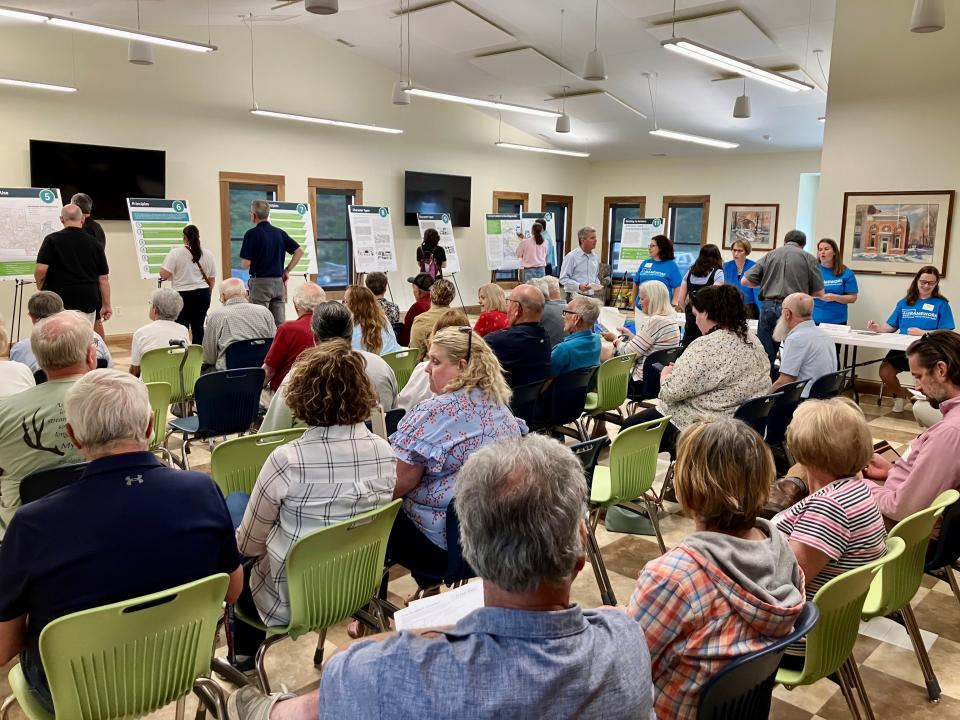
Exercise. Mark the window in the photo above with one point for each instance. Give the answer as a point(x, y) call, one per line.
point(615, 210)
point(508, 202)
point(562, 208)
point(329, 200)
point(686, 217)
point(237, 191)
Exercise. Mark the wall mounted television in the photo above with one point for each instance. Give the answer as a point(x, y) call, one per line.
point(109, 175)
point(429, 192)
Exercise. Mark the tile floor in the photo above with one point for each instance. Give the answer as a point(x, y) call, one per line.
point(889, 668)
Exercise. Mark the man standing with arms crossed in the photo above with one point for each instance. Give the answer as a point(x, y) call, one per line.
point(263, 250)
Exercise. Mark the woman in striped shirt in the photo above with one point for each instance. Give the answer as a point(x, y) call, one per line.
point(658, 330)
point(838, 526)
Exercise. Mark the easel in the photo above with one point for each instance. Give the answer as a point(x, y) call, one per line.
point(15, 320)
point(453, 276)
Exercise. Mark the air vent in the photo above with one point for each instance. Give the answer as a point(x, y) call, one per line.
point(345, 42)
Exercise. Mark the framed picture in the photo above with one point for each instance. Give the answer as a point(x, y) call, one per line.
point(895, 233)
point(757, 224)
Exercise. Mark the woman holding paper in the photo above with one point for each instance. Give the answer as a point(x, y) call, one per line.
point(532, 252)
point(839, 286)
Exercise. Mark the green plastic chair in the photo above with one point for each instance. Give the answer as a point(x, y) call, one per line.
point(163, 365)
point(235, 464)
point(830, 643)
point(402, 362)
point(159, 394)
point(612, 380)
point(332, 573)
point(129, 658)
point(896, 583)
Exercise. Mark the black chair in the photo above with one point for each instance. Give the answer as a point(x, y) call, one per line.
point(828, 386)
point(458, 569)
point(43, 482)
point(754, 412)
point(649, 387)
point(564, 401)
point(40, 377)
point(397, 329)
point(101, 363)
point(779, 420)
point(247, 353)
point(742, 690)
point(523, 402)
point(944, 551)
point(392, 419)
point(588, 453)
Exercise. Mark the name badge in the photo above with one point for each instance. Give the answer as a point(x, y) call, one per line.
point(928, 306)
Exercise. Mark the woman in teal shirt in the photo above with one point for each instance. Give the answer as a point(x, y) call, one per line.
point(839, 286)
point(660, 266)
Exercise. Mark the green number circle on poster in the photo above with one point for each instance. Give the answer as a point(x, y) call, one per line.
point(48, 196)
point(446, 218)
point(178, 206)
point(383, 212)
point(548, 216)
point(302, 209)
point(657, 222)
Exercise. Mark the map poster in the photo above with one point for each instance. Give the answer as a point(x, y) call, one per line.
point(442, 224)
point(157, 228)
point(502, 236)
point(27, 216)
point(527, 218)
point(373, 244)
point(635, 238)
point(295, 219)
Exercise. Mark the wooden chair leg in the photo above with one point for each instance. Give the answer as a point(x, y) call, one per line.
point(916, 639)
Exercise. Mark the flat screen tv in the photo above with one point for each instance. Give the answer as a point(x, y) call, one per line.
point(429, 192)
point(109, 175)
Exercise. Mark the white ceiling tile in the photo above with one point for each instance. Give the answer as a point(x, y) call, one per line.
point(527, 67)
point(452, 27)
point(731, 32)
point(599, 107)
point(651, 8)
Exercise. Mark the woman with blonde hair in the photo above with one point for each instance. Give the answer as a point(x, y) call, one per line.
point(732, 586)
point(417, 388)
point(658, 328)
point(371, 329)
point(735, 269)
point(493, 310)
point(470, 409)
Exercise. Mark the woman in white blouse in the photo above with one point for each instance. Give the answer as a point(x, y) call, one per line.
point(192, 273)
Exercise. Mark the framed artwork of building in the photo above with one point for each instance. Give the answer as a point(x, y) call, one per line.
point(757, 224)
point(895, 233)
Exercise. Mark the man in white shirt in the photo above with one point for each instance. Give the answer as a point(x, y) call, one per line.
point(165, 307)
point(807, 351)
point(581, 266)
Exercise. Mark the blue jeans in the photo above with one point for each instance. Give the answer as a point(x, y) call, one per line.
point(236, 506)
point(533, 272)
point(36, 679)
point(769, 315)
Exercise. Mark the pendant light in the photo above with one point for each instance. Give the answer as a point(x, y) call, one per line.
point(563, 122)
point(400, 96)
point(928, 16)
point(321, 7)
point(595, 69)
point(741, 108)
point(139, 52)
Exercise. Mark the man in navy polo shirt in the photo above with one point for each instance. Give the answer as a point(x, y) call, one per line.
point(129, 527)
point(523, 348)
point(264, 247)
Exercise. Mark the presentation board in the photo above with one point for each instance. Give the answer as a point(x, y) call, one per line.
point(157, 228)
point(527, 218)
point(27, 216)
point(635, 238)
point(374, 248)
point(296, 220)
point(501, 234)
point(441, 222)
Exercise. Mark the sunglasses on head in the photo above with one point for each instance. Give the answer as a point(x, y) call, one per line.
point(469, 331)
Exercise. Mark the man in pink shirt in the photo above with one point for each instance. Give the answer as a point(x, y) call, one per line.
point(915, 480)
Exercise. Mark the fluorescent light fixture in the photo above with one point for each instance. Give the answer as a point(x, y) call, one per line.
point(325, 121)
point(36, 85)
point(494, 104)
point(700, 140)
point(727, 62)
point(126, 34)
point(549, 151)
point(24, 15)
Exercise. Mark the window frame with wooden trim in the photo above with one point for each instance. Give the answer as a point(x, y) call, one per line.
point(610, 203)
point(567, 201)
point(670, 203)
point(510, 277)
point(347, 188)
point(255, 182)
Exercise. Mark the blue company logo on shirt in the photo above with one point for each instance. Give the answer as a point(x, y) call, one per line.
point(925, 312)
point(648, 269)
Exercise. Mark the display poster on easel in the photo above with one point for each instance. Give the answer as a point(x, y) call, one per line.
point(157, 228)
point(527, 219)
point(441, 222)
point(295, 219)
point(374, 248)
point(502, 236)
point(27, 216)
point(635, 236)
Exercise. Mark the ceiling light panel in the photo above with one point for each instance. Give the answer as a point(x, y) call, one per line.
point(528, 68)
point(452, 27)
point(731, 32)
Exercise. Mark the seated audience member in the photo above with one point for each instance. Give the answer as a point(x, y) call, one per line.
point(442, 293)
point(293, 336)
point(86, 545)
point(806, 351)
point(731, 587)
point(434, 439)
point(336, 470)
point(921, 310)
point(529, 652)
point(581, 347)
point(417, 388)
point(165, 308)
point(551, 319)
point(15, 377)
point(915, 480)
point(523, 349)
point(371, 329)
point(420, 285)
point(720, 370)
point(32, 435)
point(42, 304)
point(493, 310)
point(838, 526)
point(332, 321)
point(237, 319)
point(376, 282)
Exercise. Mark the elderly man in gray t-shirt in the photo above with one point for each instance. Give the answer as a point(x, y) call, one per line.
point(779, 273)
point(807, 351)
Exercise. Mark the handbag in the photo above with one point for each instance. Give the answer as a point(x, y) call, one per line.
point(784, 493)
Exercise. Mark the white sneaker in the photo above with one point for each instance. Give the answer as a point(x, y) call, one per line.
point(898, 405)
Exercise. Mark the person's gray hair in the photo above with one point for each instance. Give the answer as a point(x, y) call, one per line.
point(43, 304)
point(541, 285)
point(82, 201)
point(71, 213)
point(797, 237)
point(584, 232)
point(233, 288)
point(261, 209)
point(167, 303)
point(553, 286)
point(331, 320)
point(521, 502)
point(587, 308)
point(107, 406)
point(61, 340)
point(308, 296)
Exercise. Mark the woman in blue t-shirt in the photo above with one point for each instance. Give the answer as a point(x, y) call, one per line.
point(733, 272)
point(921, 310)
point(839, 286)
point(660, 266)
